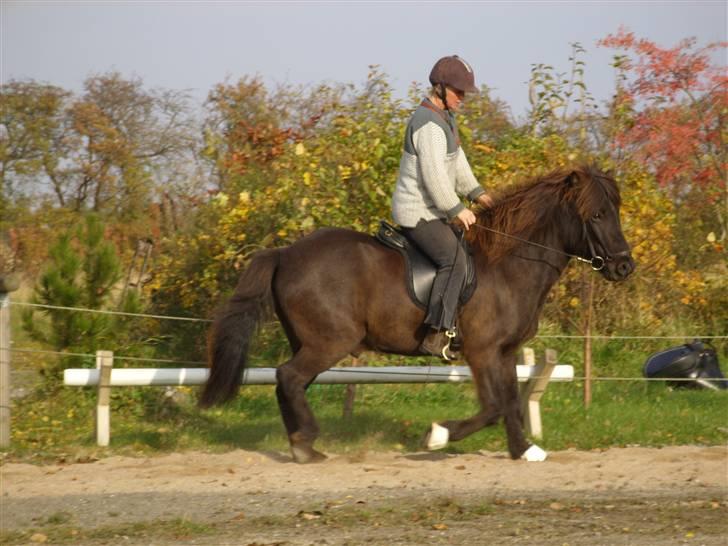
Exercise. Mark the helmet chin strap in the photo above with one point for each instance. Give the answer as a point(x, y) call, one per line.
point(443, 95)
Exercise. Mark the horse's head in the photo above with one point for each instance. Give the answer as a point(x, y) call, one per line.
point(599, 237)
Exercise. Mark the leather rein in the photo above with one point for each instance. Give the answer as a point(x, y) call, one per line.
point(597, 262)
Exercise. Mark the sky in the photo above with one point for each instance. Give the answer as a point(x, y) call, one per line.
point(186, 45)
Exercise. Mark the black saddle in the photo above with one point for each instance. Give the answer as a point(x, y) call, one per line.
point(694, 361)
point(420, 270)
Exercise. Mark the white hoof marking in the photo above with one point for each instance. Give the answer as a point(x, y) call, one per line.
point(534, 454)
point(438, 437)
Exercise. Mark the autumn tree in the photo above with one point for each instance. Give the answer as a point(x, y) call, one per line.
point(124, 133)
point(671, 107)
point(31, 132)
point(106, 150)
point(248, 126)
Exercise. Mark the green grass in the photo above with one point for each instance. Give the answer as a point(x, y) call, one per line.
point(386, 417)
point(58, 422)
point(55, 532)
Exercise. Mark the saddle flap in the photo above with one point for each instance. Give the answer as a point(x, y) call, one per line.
point(420, 270)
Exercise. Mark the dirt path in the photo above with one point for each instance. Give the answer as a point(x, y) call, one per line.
point(620, 496)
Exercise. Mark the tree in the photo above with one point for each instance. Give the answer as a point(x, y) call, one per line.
point(249, 126)
point(108, 150)
point(123, 133)
point(31, 130)
point(562, 104)
point(672, 106)
point(82, 272)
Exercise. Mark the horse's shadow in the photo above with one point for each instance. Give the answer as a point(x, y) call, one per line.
point(260, 429)
point(366, 426)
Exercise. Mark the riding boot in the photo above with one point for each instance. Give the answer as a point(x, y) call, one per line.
point(436, 343)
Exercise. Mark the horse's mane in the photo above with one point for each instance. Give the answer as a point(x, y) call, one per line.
point(523, 210)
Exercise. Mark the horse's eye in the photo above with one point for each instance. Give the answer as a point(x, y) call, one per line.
point(596, 216)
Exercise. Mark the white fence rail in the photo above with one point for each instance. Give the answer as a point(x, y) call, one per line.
point(170, 377)
point(534, 377)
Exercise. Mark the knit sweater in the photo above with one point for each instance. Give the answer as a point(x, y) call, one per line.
point(433, 170)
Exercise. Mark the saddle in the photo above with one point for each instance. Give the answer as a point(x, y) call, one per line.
point(697, 361)
point(420, 271)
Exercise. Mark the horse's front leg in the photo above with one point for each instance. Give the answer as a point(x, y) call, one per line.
point(496, 384)
point(518, 446)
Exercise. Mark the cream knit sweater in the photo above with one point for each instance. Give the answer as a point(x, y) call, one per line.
point(433, 170)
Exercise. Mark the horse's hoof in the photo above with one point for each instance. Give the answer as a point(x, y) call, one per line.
point(437, 437)
point(306, 455)
point(534, 454)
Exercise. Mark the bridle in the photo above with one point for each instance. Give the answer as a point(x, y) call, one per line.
point(591, 234)
point(597, 262)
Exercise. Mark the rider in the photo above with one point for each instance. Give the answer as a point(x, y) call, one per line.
point(433, 171)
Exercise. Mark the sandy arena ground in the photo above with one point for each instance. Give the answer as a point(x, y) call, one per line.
point(641, 496)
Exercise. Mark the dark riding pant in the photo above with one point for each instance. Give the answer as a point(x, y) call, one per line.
point(439, 242)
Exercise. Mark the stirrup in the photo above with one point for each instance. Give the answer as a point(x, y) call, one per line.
point(450, 334)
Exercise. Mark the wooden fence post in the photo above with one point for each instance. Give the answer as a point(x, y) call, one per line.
point(350, 394)
point(4, 369)
point(588, 343)
point(8, 283)
point(533, 390)
point(104, 363)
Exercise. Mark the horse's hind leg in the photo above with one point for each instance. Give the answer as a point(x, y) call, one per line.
point(489, 414)
point(462, 428)
point(293, 378)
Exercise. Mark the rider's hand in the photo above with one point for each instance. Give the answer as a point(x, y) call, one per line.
point(467, 218)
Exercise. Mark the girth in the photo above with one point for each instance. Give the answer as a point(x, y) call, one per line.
point(420, 271)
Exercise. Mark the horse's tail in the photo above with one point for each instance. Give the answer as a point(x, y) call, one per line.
point(231, 332)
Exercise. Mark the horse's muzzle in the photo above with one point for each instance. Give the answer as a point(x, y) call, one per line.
point(620, 266)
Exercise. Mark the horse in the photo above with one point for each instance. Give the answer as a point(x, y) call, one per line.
point(339, 292)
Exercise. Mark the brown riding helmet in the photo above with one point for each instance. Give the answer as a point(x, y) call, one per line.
point(454, 72)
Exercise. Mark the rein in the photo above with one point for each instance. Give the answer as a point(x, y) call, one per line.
point(597, 262)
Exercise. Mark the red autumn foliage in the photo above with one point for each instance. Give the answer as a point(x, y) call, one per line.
point(676, 105)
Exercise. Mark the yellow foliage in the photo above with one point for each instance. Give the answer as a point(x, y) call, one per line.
point(342, 173)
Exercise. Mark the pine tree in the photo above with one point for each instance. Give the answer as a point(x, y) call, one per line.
point(82, 272)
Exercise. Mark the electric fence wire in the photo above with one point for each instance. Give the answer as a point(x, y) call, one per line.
point(193, 319)
point(355, 370)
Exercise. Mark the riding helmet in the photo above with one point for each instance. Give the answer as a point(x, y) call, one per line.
point(454, 72)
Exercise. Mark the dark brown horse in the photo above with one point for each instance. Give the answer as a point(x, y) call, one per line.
point(339, 292)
